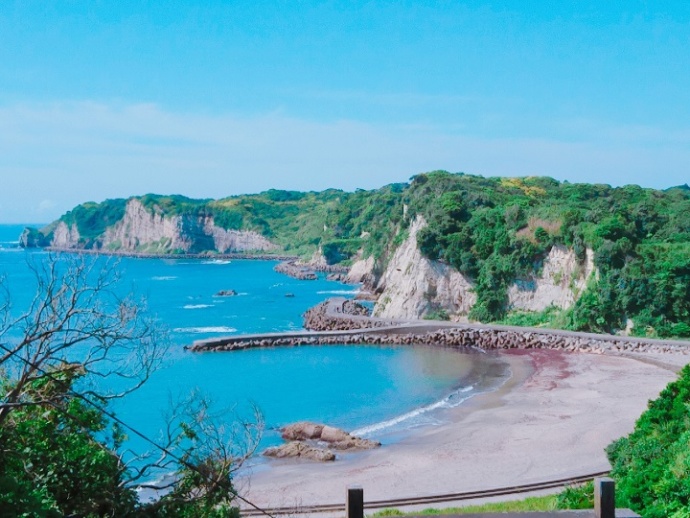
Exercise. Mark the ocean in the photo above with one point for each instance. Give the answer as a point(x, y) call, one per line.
point(379, 392)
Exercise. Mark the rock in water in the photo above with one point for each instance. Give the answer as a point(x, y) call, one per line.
point(226, 293)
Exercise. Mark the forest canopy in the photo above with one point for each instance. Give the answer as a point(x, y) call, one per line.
point(493, 230)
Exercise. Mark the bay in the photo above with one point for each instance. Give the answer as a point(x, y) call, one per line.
point(377, 391)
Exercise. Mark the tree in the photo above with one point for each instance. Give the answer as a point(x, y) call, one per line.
point(652, 464)
point(78, 345)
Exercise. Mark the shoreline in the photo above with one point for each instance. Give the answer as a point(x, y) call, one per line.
point(145, 255)
point(550, 420)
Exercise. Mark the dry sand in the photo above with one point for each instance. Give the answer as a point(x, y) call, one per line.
point(551, 420)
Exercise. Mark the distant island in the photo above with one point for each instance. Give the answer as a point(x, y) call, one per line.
point(524, 251)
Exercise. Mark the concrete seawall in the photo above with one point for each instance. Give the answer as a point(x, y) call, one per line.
point(334, 326)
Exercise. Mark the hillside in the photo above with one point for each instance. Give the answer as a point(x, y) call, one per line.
point(518, 250)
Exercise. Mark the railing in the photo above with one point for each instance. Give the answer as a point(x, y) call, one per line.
point(355, 504)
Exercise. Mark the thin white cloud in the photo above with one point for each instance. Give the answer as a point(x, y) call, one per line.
point(79, 151)
point(46, 206)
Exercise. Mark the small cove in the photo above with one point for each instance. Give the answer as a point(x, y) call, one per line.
point(381, 392)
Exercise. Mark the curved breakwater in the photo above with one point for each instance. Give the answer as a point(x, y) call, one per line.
point(356, 329)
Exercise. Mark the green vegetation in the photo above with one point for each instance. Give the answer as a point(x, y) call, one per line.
point(576, 497)
point(62, 452)
point(537, 503)
point(496, 230)
point(651, 466)
point(437, 314)
point(92, 219)
point(493, 230)
point(551, 317)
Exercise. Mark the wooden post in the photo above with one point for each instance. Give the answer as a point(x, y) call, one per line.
point(604, 498)
point(354, 507)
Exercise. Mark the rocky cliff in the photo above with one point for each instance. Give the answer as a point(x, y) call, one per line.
point(144, 230)
point(561, 281)
point(413, 286)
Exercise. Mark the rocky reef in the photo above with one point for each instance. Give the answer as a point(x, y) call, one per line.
point(292, 269)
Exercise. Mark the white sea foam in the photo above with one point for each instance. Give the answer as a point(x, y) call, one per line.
point(450, 401)
point(164, 278)
point(3, 249)
point(338, 292)
point(217, 261)
point(200, 330)
point(197, 306)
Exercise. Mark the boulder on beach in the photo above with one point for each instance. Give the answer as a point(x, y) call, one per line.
point(302, 431)
point(331, 434)
point(297, 449)
point(335, 437)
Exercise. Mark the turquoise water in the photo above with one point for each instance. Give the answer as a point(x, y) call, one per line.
point(377, 391)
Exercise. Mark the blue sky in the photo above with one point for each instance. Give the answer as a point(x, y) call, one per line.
point(109, 99)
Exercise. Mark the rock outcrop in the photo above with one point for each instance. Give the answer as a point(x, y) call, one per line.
point(32, 238)
point(413, 285)
point(561, 281)
point(292, 269)
point(297, 450)
point(335, 437)
point(226, 293)
point(338, 313)
point(65, 237)
point(306, 440)
point(362, 270)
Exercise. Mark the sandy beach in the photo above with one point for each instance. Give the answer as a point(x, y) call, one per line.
point(552, 419)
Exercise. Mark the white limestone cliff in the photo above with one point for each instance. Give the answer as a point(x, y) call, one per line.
point(150, 231)
point(236, 240)
point(141, 228)
point(360, 271)
point(414, 285)
point(561, 281)
point(65, 237)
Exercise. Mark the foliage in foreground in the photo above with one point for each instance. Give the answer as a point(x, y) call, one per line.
point(536, 503)
point(651, 466)
point(61, 450)
point(574, 497)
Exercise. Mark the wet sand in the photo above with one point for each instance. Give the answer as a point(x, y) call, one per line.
point(552, 419)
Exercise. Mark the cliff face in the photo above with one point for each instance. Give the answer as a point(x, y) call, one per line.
point(361, 271)
point(65, 237)
point(142, 230)
point(414, 285)
point(561, 281)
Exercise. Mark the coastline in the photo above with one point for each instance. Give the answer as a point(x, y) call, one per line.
point(551, 419)
point(145, 255)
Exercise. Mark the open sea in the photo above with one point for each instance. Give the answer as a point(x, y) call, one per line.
point(379, 392)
